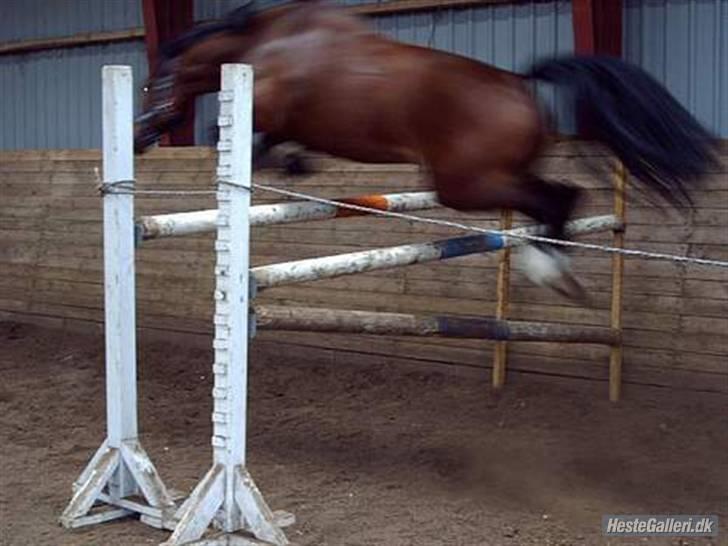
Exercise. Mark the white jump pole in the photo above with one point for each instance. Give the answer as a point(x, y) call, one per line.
point(227, 495)
point(326, 267)
point(200, 221)
point(120, 468)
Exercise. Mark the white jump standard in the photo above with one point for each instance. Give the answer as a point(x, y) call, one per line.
point(120, 468)
point(227, 494)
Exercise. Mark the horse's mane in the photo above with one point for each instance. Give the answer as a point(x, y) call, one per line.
point(237, 20)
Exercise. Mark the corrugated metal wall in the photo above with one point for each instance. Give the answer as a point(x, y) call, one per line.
point(684, 44)
point(34, 19)
point(52, 99)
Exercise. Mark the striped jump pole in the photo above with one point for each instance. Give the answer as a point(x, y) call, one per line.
point(310, 319)
point(187, 223)
point(327, 267)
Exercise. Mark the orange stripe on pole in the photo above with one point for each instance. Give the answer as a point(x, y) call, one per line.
point(378, 202)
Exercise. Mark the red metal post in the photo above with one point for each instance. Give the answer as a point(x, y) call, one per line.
point(582, 16)
point(597, 27)
point(608, 27)
point(164, 20)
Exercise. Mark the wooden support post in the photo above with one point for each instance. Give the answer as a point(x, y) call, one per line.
point(615, 358)
point(500, 351)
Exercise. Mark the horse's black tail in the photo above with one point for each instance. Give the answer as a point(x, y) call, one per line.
point(624, 108)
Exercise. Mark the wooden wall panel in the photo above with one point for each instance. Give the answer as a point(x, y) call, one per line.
point(675, 317)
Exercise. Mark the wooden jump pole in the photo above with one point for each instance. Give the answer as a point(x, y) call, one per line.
point(311, 319)
point(268, 276)
point(616, 354)
point(500, 351)
point(187, 223)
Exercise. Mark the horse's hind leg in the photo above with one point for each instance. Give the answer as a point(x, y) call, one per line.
point(269, 151)
point(548, 203)
point(545, 264)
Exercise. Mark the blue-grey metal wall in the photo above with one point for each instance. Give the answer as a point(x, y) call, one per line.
point(35, 19)
point(684, 44)
point(51, 99)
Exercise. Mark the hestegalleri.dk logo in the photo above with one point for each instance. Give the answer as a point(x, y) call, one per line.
point(660, 525)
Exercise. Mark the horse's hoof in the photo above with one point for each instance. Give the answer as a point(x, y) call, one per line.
point(569, 287)
point(548, 267)
point(296, 165)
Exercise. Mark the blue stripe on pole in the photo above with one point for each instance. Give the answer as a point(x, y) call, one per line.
point(473, 327)
point(471, 244)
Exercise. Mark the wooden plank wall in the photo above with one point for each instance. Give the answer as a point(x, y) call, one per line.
point(676, 317)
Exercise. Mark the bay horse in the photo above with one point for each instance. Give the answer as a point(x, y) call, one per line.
point(325, 80)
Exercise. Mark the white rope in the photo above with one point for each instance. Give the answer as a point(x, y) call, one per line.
point(126, 187)
point(105, 188)
point(465, 227)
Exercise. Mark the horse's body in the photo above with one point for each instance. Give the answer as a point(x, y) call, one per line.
point(326, 81)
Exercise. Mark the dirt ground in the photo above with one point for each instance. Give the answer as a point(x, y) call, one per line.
point(365, 455)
